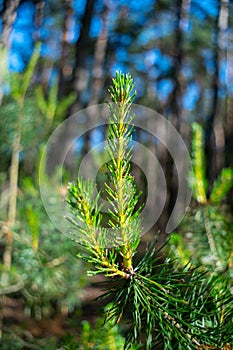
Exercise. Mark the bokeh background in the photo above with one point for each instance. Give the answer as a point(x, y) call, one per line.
point(179, 53)
point(58, 57)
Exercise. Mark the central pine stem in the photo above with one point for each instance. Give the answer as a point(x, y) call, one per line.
point(126, 251)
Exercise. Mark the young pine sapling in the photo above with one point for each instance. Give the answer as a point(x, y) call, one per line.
point(165, 306)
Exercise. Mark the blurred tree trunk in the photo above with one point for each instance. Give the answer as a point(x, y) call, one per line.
point(96, 81)
point(75, 78)
point(214, 129)
point(39, 17)
point(81, 75)
point(220, 135)
point(229, 133)
point(228, 121)
point(65, 67)
point(182, 8)
point(78, 82)
point(9, 15)
point(98, 77)
point(227, 51)
point(177, 53)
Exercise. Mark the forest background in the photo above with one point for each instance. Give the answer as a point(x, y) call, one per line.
point(57, 58)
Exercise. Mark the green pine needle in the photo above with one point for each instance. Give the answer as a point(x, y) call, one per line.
point(170, 305)
point(222, 185)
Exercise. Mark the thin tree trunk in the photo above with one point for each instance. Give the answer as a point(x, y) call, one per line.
point(39, 16)
point(182, 13)
point(14, 174)
point(210, 132)
point(98, 78)
point(222, 49)
point(9, 15)
point(79, 84)
point(175, 102)
point(99, 58)
point(82, 48)
point(65, 68)
point(227, 40)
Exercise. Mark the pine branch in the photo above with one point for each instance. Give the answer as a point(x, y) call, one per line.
point(122, 190)
point(172, 305)
point(198, 180)
point(222, 185)
point(176, 307)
